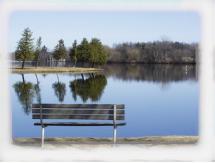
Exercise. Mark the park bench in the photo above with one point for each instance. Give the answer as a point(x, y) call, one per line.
point(95, 112)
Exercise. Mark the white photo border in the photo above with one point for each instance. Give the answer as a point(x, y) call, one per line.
point(202, 151)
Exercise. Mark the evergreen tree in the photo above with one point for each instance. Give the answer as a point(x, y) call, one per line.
point(25, 47)
point(38, 50)
point(44, 51)
point(97, 53)
point(83, 51)
point(73, 53)
point(60, 51)
point(44, 56)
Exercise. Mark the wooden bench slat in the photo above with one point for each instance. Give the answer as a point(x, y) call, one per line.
point(77, 111)
point(101, 106)
point(77, 124)
point(87, 117)
point(73, 109)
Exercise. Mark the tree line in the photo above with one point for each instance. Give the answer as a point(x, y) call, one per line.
point(158, 52)
point(94, 53)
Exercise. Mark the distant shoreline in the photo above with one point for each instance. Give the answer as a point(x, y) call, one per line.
point(55, 70)
point(46, 69)
point(153, 63)
point(141, 63)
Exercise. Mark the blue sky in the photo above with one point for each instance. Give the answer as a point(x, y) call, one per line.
point(110, 27)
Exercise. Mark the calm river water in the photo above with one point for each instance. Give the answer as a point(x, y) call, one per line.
point(159, 99)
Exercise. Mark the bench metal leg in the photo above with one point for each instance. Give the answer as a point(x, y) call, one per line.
point(42, 136)
point(114, 125)
point(114, 135)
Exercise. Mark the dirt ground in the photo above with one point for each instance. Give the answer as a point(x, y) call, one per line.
point(78, 142)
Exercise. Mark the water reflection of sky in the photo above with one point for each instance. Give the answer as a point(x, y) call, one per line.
point(152, 108)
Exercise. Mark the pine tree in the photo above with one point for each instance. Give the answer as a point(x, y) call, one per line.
point(73, 53)
point(97, 53)
point(38, 50)
point(60, 51)
point(25, 47)
point(83, 51)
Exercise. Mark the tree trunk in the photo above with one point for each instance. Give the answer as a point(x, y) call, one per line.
point(23, 64)
point(90, 75)
point(58, 78)
point(82, 76)
point(23, 78)
point(36, 63)
point(74, 65)
point(37, 79)
point(93, 75)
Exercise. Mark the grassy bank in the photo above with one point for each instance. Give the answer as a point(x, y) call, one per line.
point(153, 140)
point(55, 70)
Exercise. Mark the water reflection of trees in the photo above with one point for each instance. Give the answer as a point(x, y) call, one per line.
point(59, 89)
point(90, 88)
point(154, 72)
point(37, 90)
point(25, 93)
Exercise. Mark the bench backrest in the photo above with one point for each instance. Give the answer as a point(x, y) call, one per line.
point(78, 111)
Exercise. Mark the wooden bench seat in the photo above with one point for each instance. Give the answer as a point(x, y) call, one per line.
point(94, 113)
point(77, 124)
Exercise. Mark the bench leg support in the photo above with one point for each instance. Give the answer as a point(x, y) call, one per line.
point(42, 136)
point(114, 134)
